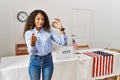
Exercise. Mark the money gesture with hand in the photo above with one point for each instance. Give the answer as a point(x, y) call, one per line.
point(33, 39)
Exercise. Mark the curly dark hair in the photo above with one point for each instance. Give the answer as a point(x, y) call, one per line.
point(31, 18)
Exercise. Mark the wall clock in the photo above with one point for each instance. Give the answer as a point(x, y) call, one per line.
point(22, 16)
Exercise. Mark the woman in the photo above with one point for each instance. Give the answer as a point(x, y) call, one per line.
point(39, 36)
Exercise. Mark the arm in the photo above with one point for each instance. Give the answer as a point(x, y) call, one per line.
point(30, 42)
point(63, 39)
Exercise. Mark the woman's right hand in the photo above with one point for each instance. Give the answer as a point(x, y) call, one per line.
point(33, 39)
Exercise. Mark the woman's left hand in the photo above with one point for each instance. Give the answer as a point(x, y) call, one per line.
point(57, 23)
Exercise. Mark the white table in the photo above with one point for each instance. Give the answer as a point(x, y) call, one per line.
point(65, 68)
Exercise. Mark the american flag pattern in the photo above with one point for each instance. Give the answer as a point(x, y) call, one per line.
point(102, 63)
point(74, 44)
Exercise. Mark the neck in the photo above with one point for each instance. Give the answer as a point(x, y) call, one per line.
point(38, 29)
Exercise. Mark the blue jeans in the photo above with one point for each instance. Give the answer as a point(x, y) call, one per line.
point(40, 64)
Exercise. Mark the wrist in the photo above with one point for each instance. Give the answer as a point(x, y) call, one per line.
point(62, 29)
point(32, 43)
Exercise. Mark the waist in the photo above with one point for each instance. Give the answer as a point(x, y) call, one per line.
point(38, 56)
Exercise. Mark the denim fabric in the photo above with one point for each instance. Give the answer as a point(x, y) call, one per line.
point(40, 64)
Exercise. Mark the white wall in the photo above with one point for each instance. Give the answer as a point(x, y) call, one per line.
point(104, 29)
point(7, 29)
point(106, 24)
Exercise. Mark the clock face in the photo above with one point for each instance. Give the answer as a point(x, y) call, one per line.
point(22, 16)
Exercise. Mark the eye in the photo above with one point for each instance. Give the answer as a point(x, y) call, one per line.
point(38, 18)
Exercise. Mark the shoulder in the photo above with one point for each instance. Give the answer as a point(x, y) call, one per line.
point(29, 32)
point(51, 30)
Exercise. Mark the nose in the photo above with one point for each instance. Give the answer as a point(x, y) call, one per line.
point(41, 21)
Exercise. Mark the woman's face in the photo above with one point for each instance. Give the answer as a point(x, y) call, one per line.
point(39, 21)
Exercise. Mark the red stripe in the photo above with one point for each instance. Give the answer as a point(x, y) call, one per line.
point(112, 64)
point(97, 64)
point(93, 62)
point(93, 69)
point(102, 65)
point(96, 61)
point(109, 65)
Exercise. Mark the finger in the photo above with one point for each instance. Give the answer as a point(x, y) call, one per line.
point(57, 19)
point(33, 34)
point(54, 24)
point(33, 37)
